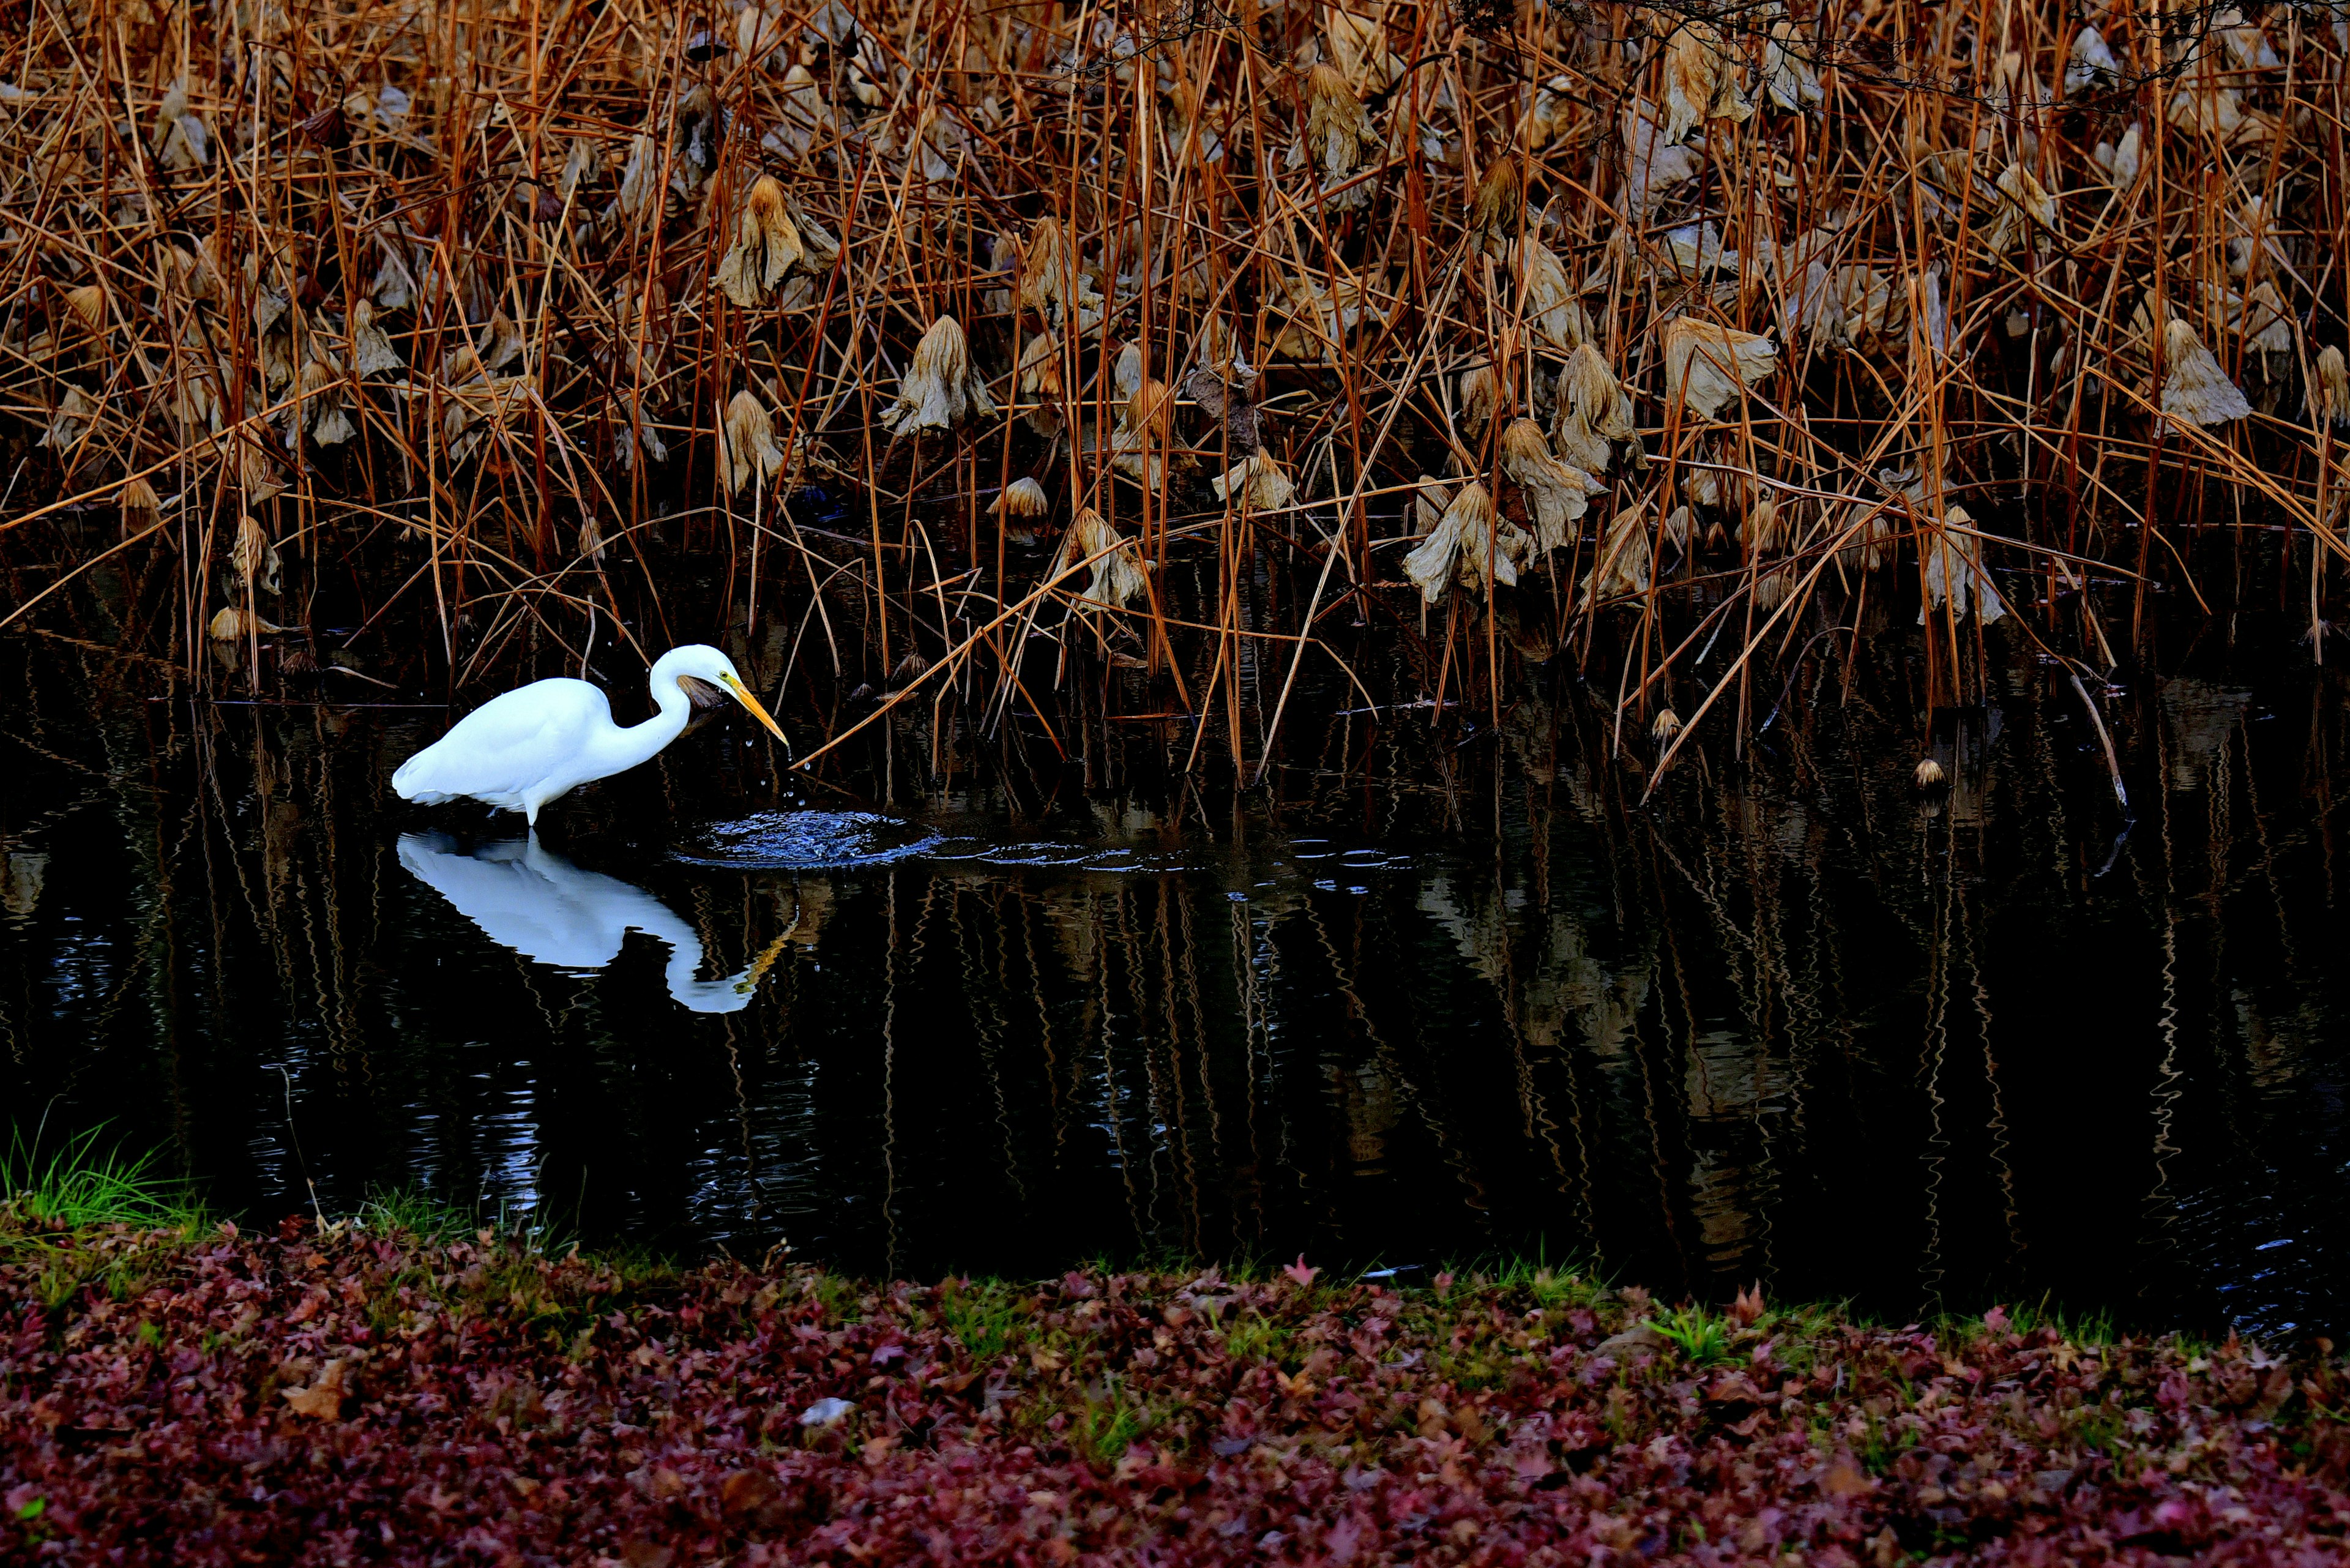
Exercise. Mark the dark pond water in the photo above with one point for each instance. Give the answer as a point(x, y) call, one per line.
point(1419, 1000)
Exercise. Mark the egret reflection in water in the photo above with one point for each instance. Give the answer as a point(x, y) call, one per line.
point(531, 899)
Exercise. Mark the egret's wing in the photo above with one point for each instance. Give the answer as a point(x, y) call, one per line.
point(508, 744)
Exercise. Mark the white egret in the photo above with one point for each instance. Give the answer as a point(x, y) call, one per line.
point(543, 740)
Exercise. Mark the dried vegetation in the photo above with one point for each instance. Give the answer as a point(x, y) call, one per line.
point(380, 1398)
point(1165, 345)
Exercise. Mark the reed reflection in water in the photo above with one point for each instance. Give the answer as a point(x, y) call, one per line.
point(1793, 1024)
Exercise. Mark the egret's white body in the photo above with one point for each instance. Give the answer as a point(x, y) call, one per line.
point(545, 908)
point(544, 740)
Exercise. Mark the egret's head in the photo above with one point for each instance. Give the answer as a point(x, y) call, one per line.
point(700, 662)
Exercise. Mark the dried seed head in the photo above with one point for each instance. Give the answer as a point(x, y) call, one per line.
point(1499, 207)
point(76, 411)
point(1052, 284)
point(1625, 554)
point(766, 245)
point(1557, 493)
point(939, 389)
point(1929, 774)
point(748, 442)
point(234, 623)
point(371, 349)
point(253, 559)
point(2121, 161)
point(1358, 49)
point(1338, 139)
point(1551, 308)
point(1703, 79)
point(1024, 497)
point(320, 391)
point(88, 306)
point(1118, 577)
point(1480, 395)
point(1668, 725)
point(2025, 208)
point(2197, 390)
point(1141, 440)
point(2329, 387)
point(1759, 534)
point(1593, 409)
point(591, 539)
point(638, 178)
point(1472, 545)
point(1707, 364)
point(1259, 484)
point(142, 507)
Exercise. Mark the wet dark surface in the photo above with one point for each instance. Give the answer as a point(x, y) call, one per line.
point(1422, 998)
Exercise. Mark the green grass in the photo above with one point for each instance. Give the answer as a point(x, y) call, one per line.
point(83, 1183)
point(985, 1319)
point(1703, 1338)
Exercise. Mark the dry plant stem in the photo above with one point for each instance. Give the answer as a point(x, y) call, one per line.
point(432, 295)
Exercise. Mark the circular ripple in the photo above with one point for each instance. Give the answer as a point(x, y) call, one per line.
point(806, 841)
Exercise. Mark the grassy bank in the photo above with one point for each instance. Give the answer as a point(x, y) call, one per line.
point(1036, 363)
point(373, 1394)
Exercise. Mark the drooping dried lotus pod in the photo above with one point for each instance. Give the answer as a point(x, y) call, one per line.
point(321, 408)
point(181, 140)
point(2197, 390)
point(1552, 310)
point(766, 245)
point(1145, 432)
point(1703, 79)
point(2121, 163)
point(1052, 284)
point(2265, 320)
point(372, 350)
point(1789, 75)
point(1760, 533)
point(1666, 727)
point(2249, 48)
point(2090, 63)
point(1623, 569)
point(746, 442)
point(1338, 141)
point(1321, 312)
point(1118, 574)
point(640, 178)
point(1553, 110)
point(1866, 298)
point(234, 623)
point(1359, 47)
point(142, 507)
point(88, 307)
point(1023, 498)
point(1480, 395)
point(1590, 397)
point(1954, 569)
point(939, 389)
point(1653, 162)
point(1707, 363)
point(499, 346)
point(1558, 493)
point(1499, 209)
point(76, 413)
point(1126, 371)
point(1258, 483)
point(253, 560)
point(1037, 383)
point(1472, 545)
point(2329, 387)
point(2025, 208)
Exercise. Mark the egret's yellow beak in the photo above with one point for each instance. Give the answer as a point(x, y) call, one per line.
point(741, 694)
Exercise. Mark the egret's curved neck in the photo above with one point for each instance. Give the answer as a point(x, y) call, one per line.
point(640, 742)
